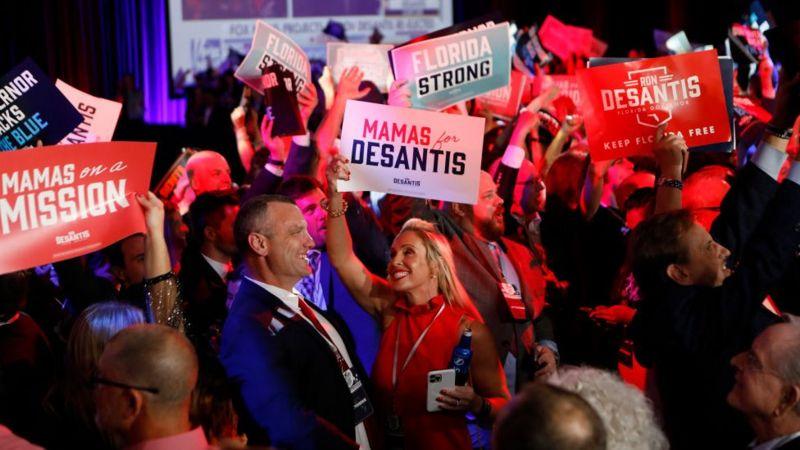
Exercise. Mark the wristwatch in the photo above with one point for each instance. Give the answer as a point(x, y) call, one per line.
point(781, 133)
point(669, 182)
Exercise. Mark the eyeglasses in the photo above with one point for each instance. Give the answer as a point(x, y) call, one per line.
point(99, 380)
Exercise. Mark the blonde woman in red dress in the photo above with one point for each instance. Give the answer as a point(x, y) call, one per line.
point(423, 310)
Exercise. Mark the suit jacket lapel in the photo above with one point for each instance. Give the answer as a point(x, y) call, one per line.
point(483, 254)
point(281, 310)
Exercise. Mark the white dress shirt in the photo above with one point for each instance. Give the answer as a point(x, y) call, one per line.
point(220, 268)
point(774, 443)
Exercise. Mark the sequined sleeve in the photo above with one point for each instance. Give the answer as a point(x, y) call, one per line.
point(163, 296)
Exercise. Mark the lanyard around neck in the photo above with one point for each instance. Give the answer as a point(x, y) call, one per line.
point(413, 348)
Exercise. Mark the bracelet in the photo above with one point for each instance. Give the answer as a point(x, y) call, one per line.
point(325, 204)
point(781, 133)
point(276, 162)
point(669, 182)
point(158, 278)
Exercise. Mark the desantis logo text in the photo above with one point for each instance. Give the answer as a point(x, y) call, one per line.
point(72, 237)
point(651, 94)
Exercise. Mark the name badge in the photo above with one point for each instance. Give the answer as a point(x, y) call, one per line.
point(515, 305)
point(362, 407)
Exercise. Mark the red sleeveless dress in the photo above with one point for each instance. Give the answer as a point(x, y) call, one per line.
point(422, 429)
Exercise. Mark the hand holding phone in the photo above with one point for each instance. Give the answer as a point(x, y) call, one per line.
point(438, 380)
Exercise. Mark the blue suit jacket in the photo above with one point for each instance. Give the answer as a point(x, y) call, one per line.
point(291, 390)
point(362, 326)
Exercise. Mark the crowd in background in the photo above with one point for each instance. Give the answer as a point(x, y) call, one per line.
point(654, 294)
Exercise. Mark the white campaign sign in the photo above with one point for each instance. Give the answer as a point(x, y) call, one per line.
point(271, 46)
point(99, 116)
point(412, 152)
point(372, 59)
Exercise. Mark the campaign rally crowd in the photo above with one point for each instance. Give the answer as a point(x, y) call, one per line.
point(570, 294)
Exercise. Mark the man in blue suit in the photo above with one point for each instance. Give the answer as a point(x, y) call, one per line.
point(323, 286)
point(300, 384)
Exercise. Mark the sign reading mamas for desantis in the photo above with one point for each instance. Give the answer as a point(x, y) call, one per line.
point(411, 152)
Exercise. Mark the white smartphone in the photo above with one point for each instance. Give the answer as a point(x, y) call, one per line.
point(438, 380)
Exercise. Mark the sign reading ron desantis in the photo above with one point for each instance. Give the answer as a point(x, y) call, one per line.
point(625, 103)
point(60, 202)
point(410, 152)
point(449, 69)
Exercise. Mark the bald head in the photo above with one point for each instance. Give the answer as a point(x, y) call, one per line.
point(154, 356)
point(548, 417)
point(208, 171)
point(783, 350)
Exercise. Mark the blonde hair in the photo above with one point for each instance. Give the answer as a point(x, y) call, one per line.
point(440, 259)
point(88, 337)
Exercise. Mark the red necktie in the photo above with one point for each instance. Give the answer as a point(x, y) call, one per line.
point(309, 314)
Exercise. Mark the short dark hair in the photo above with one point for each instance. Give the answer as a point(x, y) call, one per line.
point(655, 244)
point(298, 186)
point(208, 209)
point(564, 179)
point(250, 218)
point(545, 417)
point(114, 252)
point(13, 291)
point(642, 197)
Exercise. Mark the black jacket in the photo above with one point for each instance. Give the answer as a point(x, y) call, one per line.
point(689, 334)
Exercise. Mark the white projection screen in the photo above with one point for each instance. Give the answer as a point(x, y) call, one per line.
point(202, 32)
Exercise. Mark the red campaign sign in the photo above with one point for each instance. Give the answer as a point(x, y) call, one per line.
point(623, 104)
point(553, 36)
point(60, 202)
point(598, 48)
point(568, 87)
point(563, 40)
point(753, 37)
point(504, 102)
point(581, 39)
point(568, 100)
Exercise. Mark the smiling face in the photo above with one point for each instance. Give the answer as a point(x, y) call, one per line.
point(409, 270)
point(487, 213)
point(289, 243)
point(706, 264)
